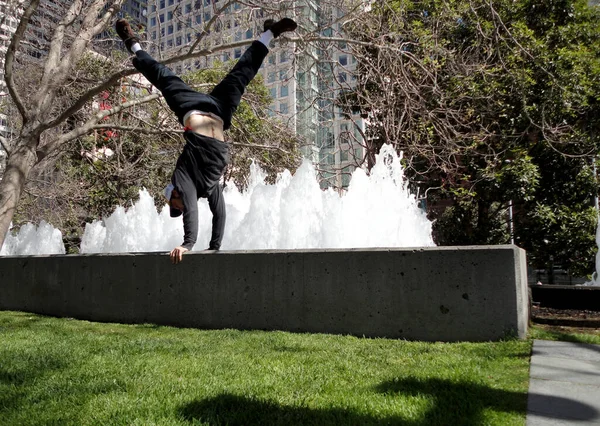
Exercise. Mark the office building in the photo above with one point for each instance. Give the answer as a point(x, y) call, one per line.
point(303, 81)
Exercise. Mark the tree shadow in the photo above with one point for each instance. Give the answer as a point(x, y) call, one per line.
point(15, 377)
point(227, 409)
point(18, 320)
point(453, 404)
point(463, 403)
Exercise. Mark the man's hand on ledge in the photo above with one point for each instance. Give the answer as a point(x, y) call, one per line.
point(177, 254)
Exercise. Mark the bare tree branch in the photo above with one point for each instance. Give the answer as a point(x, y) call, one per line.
point(58, 72)
point(89, 125)
point(10, 57)
point(4, 144)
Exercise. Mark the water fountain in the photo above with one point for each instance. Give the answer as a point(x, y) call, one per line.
point(294, 258)
point(378, 210)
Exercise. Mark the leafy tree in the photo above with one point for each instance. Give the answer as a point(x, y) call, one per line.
point(494, 104)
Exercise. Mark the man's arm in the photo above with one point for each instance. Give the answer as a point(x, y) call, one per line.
point(216, 203)
point(190, 217)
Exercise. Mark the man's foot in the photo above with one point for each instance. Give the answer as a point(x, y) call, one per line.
point(281, 26)
point(124, 31)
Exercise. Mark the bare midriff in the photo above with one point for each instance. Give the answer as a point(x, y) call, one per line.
point(205, 124)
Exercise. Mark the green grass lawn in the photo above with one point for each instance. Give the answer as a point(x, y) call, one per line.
point(565, 334)
point(68, 372)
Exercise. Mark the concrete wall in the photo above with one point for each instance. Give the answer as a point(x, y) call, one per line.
point(446, 293)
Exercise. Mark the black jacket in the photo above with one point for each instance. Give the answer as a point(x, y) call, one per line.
point(197, 173)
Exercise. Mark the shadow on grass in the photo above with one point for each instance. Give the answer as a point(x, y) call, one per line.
point(453, 404)
point(233, 410)
point(18, 320)
point(16, 377)
point(463, 403)
point(25, 387)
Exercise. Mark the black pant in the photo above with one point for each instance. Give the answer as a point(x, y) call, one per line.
point(224, 98)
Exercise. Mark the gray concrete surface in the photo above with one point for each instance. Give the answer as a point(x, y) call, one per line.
point(564, 384)
point(430, 294)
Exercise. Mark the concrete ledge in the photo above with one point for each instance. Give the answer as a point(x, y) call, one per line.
point(431, 294)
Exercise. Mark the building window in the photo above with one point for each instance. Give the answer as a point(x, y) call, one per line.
point(283, 57)
point(153, 21)
point(161, 18)
point(188, 8)
point(171, 2)
point(237, 53)
point(237, 36)
point(343, 59)
point(153, 35)
point(198, 19)
point(342, 77)
point(271, 77)
point(284, 91)
point(162, 4)
point(170, 43)
point(283, 108)
point(358, 153)
point(344, 153)
point(346, 180)
point(206, 16)
point(170, 29)
point(169, 16)
point(272, 58)
point(273, 92)
point(248, 34)
point(178, 41)
point(282, 75)
point(179, 26)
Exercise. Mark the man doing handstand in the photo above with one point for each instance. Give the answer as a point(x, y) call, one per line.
point(205, 116)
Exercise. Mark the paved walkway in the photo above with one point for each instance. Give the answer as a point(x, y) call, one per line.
point(564, 384)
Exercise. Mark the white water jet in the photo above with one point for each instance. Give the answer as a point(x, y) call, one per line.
point(33, 240)
point(377, 210)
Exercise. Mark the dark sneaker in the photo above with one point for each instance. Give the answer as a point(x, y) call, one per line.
point(124, 31)
point(268, 24)
point(281, 26)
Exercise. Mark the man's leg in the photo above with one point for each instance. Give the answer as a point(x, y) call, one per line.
point(175, 91)
point(179, 96)
point(230, 90)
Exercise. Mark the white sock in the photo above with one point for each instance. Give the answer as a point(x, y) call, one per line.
point(266, 37)
point(135, 47)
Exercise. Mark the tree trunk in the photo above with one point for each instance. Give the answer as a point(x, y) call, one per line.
point(19, 164)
